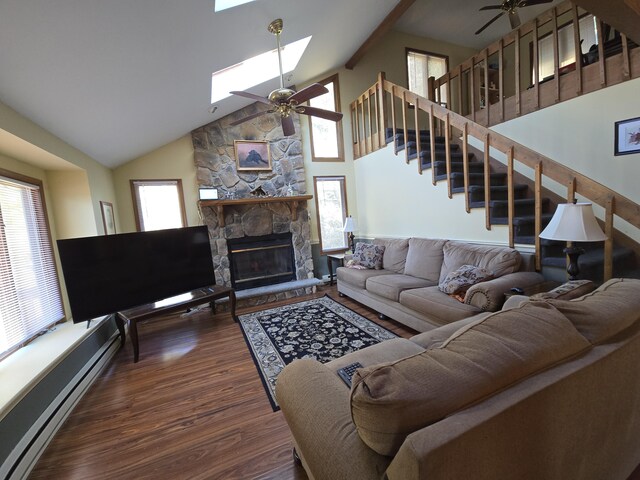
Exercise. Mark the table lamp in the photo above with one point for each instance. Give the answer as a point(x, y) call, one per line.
point(350, 227)
point(573, 222)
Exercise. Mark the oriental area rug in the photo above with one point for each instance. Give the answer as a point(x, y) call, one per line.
point(322, 329)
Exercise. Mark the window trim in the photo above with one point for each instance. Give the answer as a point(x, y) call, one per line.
point(156, 182)
point(345, 211)
point(408, 50)
point(18, 177)
point(339, 133)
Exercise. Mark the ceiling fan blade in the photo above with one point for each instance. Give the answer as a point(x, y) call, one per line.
point(529, 3)
point(490, 22)
point(250, 117)
point(514, 19)
point(493, 7)
point(252, 96)
point(287, 126)
point(321, 113)
point(312, 91)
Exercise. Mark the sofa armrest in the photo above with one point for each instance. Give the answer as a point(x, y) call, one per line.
point(317, 407)
point(489, 295)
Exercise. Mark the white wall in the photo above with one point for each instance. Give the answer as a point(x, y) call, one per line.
point(396, 201)
point(579, 133)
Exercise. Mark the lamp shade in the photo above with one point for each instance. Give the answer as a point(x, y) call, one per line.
point(574, 222)
point(350, 224)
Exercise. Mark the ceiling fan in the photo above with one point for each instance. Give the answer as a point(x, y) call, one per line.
point(284, 101)
point(510, 7)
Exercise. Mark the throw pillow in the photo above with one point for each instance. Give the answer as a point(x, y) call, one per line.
point(368, 255)
point(459, 281)
point(352, 264)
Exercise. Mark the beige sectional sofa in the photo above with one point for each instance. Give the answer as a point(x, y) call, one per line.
point(548, 389)
point(406, 288)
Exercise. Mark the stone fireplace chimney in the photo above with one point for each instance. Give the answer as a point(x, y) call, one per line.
point(216, 167)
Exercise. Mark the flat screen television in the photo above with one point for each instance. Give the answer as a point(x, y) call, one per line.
point(110, 273)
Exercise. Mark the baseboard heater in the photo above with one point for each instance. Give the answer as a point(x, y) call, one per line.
point(24, 456)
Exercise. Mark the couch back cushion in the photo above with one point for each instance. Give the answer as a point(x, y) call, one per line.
point(395, 253)
point(392, 400)
point(498, 260)
point(424, 258)
point(608, 310)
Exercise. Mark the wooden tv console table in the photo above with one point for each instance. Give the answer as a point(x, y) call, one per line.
point(171, 305)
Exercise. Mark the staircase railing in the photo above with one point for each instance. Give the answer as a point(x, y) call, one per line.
point(502, 81)
point(378, 108)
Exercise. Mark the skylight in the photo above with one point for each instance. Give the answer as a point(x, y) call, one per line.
point(256, 70)
point(224, 4)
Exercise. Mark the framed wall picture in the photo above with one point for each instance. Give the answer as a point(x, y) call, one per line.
point(108, 218)
point(252, 155)
point(627, 136)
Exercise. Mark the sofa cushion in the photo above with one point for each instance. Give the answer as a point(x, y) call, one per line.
point(390, 286)
point(424, 258)
point(498, 260)
point(368, 255)
point(395, 253)
point(462, 278)
point(357, 278)
point(390, 401)
point(440, 308)
point(606, 311)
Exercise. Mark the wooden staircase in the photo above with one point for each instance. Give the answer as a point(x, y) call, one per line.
point(456, 145)
point(552, 257)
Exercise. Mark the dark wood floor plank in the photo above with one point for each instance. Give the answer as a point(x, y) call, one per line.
point(192, 407)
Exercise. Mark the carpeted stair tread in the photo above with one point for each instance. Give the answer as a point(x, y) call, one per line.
point(591, 258)
point(441, 155)
point(457, 179)
point(426, 147)
point(522, 220)
point(456, 167)
point(497, 192)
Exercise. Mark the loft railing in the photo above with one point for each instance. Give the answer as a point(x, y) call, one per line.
point(385, 105)
point(502, 81)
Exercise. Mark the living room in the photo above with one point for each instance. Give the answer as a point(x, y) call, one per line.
point(381, 190)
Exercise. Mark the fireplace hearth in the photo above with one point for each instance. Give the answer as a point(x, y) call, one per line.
point(261, 260)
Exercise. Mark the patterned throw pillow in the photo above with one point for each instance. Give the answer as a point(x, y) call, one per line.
point(459, 281)
point(368, 255)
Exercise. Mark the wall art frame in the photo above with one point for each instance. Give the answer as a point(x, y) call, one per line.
point(627, 136)
point(252, 155)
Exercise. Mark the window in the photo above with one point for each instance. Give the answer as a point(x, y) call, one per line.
point(30, 299)
point(421, 66)
point(158, 204)
point(326, 136)
point(256, 70)
point(566, 49)
point(331, 207)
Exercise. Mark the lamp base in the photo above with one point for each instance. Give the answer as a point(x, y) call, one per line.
point(352, 242)
point(573, 253)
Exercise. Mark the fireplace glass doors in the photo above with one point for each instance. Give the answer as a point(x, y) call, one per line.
point(260, 261)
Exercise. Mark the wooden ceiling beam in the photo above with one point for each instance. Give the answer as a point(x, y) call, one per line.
point(383, 28)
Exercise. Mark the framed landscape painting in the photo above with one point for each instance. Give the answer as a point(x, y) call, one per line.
point(252, 155)
point(627, 136)
point(108, 218)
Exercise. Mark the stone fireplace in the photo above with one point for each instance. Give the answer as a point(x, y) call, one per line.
point(251, 219)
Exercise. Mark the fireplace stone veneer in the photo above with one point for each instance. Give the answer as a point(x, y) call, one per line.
point(216, 167)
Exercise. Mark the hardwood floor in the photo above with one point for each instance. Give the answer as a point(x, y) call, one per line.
point(192, 407)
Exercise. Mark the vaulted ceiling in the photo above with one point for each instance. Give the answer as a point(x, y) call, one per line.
point(119, 78)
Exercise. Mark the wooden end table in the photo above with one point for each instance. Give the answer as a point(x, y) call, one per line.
point(334, 257)
point(170, 305)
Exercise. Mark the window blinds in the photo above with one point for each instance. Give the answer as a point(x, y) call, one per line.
point(29, 291)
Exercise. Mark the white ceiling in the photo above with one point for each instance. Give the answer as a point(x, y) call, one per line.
point(119, 78)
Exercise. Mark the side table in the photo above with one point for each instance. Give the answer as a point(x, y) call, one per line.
point(334, 257)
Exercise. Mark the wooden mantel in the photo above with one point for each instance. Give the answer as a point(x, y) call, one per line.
point(220, 204)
